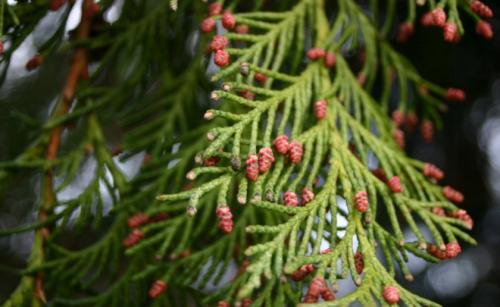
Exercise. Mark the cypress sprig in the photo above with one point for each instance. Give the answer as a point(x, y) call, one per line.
point(295, 180)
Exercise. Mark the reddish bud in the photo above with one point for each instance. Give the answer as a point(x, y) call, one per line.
point(34, 62)
point(316, 287)
point(411, 120)
point(391, 295)
point(214, 9)
point(439, 17)
point(302, 272)
point(281, 144)
point(398, 118)
point(315, 53)
point(137, 220)
point(450, 32)
point(432, 171)
point(395, 185)
point(266, 159)
point(211, 161)
point(228, 20)
point(330, 59)
point(225, 219)
point(320, 108)
point(219, 42)
point(484, 29)
point(207, 25)
point(481, 9)
point(249, 95)
point(405, 31)
point(455, 94)
point(361, 201)
point(427, 20)
point(252, 169)
point(438, 211)
point(327, 294)
point(246, 302)
point(463, 216)
point(326, 251)
point(222, 304)
point(307, 196)
point(242, 29)
point(359, 262)
point(361, 77)
point(399, 137)
point(453, 195)
point(380, 174)
point(133, 238)
point(221, 58)
point(453, 249)
point(427, 130)
point(290, 199)
point(260, 78)
point(436, 252)
point(158, 287)
point(295, 152)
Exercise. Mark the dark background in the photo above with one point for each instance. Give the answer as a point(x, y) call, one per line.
point(467, 149)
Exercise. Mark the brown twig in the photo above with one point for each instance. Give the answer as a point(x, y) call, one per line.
point(78, 69)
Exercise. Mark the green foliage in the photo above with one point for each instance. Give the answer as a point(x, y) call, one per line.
point(149, 81)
